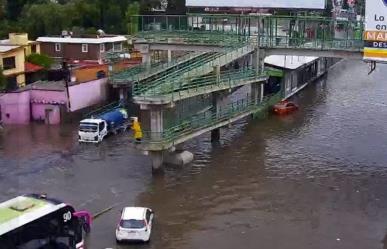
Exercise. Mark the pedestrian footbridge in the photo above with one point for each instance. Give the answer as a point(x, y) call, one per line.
point(211, 45)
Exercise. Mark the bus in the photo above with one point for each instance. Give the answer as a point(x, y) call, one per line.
point(37, 222)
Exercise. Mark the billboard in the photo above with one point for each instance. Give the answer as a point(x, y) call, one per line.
point(375, 35)
point(288, 4)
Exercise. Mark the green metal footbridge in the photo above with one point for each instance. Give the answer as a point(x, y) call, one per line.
point(213, 43)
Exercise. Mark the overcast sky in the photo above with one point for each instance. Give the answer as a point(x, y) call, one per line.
point(312, 4)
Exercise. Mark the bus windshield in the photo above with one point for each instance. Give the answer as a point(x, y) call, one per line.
point(58, 229)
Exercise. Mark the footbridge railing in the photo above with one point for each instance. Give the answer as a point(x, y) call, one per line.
point(196, 123)
point(179, 88)
point(312, 32)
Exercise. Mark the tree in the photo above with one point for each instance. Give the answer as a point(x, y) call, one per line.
point(131, 19)
point(176, 7)
point(41, 60)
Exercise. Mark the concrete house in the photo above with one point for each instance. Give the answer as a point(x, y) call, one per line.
point(81, 49)
point(12, 57)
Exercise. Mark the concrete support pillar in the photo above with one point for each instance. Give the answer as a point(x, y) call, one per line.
point(146, 59)
point(122, 93)
point(255, 91)
point(156, 123)
point(217, 73)
point(262, 92)
point(169, 56)
point(157, 160)
point(215, 135)
point(258, 59)
point(219, 101)
point(146, 54)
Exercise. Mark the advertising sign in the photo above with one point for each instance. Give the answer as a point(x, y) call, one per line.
point(288, 4)
point(375, 35)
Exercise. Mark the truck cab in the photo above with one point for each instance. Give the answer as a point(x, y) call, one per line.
point(92, 130)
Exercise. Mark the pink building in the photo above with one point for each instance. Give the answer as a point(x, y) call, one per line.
point(48, 101)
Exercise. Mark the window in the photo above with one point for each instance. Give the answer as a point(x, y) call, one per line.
point(101, 126)
point(33, 48)
point(85, 48)
point(117, 47)
point(58, 47)
point(102, 47)
point(9, 63)
point(134, 224)
point(88, 127)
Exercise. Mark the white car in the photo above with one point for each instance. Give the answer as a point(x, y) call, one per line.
point(135, 224)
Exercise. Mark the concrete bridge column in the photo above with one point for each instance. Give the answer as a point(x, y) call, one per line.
point(157, 160)
point(123, 93)
point(258, 59)
point(146, 54)
point(156, 123)
point(219, 101)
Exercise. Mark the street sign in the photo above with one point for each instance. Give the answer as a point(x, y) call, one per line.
point(375, 35)
point(288, 4)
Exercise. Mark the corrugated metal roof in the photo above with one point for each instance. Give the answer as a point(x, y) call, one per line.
point(288, 61)
point(82, 40)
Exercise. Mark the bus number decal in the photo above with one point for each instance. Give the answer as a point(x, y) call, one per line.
point(67, 216)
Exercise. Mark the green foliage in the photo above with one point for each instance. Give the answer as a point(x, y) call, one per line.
point(132, 22)
point(46, 17)
point(41, 60)
point(3, 80)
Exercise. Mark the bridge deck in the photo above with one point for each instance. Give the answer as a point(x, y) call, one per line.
point(199, 124)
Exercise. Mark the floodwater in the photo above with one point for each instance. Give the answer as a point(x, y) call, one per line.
point(315, 179)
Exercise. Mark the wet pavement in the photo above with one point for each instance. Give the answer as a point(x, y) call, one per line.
point(315, 179)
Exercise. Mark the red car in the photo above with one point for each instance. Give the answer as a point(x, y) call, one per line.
point(284, 107)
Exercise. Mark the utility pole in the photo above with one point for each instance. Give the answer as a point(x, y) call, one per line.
point(66, 78)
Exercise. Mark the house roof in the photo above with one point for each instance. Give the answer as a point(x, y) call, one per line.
point(8, 42)
point(7, 48)
point(31, 68)
point(82, 40)
point(288, 61)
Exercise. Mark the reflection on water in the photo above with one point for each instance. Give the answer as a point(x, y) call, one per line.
point(315, 179)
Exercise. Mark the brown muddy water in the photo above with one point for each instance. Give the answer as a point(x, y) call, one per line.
point(315, 179)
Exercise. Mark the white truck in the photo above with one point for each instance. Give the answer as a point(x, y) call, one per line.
point(94, 129)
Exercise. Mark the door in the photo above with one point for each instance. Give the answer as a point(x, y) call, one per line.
point(102, 130)
point(47, 113)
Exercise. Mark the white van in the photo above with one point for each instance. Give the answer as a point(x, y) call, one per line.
point(135, 224)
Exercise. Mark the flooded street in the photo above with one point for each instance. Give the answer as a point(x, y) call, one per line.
point(316, 179)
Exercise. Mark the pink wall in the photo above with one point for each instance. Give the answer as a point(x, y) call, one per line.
point(43, 100)
point(39, 113)
point(15, 108)
point(88, 94)
point(32, 104)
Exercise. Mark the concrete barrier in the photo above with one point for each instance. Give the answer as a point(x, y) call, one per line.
point(178, 158)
